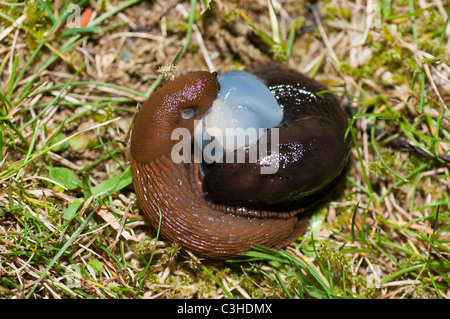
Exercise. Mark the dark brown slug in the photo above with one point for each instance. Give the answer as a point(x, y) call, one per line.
point(218, 210)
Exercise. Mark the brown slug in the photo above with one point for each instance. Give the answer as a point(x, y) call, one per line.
point(218, 209)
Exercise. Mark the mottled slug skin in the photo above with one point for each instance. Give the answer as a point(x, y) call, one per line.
point(215, 230)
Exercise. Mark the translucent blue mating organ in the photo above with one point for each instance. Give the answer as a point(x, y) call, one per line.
point(244, 105)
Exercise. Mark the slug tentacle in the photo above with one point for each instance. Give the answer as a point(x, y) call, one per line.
point(222, 211)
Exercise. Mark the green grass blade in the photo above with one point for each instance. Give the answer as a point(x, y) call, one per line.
point(69, 242)
point(410, 14)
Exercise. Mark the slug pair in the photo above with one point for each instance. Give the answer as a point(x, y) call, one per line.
point(217, 207)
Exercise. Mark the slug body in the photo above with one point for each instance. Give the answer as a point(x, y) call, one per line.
point(218, 209)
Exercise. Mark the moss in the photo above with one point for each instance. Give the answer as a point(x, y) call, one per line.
point(152, 278)
point(356, 72)
point(420, 291)
point(173, 250)
point(106, 114)
point(388, 78)
point(377, 169)
point(388, 37)
point(36, 20)
point(405, 29)
point(145, 247)
point(371, 292)
point(257, 293)
point(411, 64)
point(278, 53)
point(343, 216)
point(339, 261)
point(247, 284)
point(170, 280)
point(186, 281)
point(410, 261)
point(182, 26)
point(391, 56)
point(427, 25)
point(331, 11)
point(430, 45)
point(205, 291)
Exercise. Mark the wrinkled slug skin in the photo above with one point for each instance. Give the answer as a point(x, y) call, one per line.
point(187, 218)
point(189, 221)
